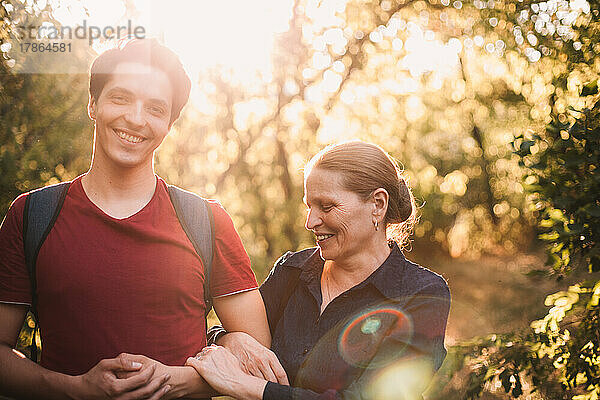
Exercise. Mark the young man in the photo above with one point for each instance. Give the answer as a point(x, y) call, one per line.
point(117, 273)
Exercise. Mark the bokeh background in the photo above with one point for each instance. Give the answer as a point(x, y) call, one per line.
point(489, 106)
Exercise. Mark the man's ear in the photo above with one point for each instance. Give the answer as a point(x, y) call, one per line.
point(380, 203)
point(92, 109)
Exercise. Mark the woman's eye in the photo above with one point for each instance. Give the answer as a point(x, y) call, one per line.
point(327, 208)
point(156, 110)
point(120, 99)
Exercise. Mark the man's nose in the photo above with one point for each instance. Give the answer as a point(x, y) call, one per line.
point(135, 114)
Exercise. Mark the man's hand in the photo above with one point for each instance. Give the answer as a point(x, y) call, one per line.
point(255, 358)
point(183, 381)
point(138, 381)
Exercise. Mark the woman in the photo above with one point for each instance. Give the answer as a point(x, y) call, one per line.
point(351, 318)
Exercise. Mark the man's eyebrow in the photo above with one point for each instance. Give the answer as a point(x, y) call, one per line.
point(120, 89)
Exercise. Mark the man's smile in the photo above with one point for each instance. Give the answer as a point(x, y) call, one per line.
point(128, 137)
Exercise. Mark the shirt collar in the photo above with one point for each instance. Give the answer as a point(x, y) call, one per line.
point(386, 279)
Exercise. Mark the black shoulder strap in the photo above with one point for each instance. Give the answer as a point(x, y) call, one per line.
point(196, 219)
point(42, 207)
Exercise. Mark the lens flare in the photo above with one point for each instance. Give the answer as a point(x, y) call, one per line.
point(363, 337)
point(404, 380)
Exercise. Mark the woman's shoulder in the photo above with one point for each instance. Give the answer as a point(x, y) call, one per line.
point(424, 279)
point(292, 263)
point(403, 278)
point(297, 259)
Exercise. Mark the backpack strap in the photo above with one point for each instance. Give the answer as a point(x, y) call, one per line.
point(196, 219)
point(42, 207)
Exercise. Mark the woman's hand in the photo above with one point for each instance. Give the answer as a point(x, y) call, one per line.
point(222, 370)
point(256, 359)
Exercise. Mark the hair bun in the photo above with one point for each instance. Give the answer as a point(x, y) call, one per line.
point(405, 205)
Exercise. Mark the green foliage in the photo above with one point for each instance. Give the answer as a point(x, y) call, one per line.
point(560, 356)
point(45, 134)
point(566, 182)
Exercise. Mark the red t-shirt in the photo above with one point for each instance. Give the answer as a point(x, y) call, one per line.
point(108, 285)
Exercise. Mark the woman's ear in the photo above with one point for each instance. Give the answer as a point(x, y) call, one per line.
point(92, 109)
point(380, 203)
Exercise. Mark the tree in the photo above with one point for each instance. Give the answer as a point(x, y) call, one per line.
point(560, 356)
point(45, 134)
point(353, 70)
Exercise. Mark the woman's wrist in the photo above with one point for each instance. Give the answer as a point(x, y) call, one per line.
point(250, 388)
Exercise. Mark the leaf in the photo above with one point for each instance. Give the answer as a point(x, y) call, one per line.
point(505, 380)
point(594, 265)
point(575, 228)
point(593, 210)
point(590, 88)
point(536, 273)
point(525, 146)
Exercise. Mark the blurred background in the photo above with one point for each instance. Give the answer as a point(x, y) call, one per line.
point(489, 106)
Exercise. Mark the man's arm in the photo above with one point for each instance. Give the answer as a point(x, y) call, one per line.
point(244, 312)
point(22, 378)
point(240, 312)
point(242, 315)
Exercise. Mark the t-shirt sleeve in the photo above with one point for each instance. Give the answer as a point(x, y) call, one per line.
point(231, 272)
point(14, 279)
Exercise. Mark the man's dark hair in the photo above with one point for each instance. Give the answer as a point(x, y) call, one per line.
point(144, 51)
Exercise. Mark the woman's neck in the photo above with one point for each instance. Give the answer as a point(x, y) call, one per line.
point(340, 275)
point(357, 268)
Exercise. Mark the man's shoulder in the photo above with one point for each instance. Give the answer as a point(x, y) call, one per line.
point(18, 204)
point(215, 205)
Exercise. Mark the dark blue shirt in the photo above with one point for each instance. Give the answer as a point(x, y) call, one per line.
point(394, 319)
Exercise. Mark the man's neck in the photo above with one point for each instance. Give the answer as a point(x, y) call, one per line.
point(119, 192)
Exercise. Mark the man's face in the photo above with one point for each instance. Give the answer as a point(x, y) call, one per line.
point(132, 115)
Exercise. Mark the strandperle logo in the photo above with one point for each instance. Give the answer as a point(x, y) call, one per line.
point(83, 31)
point(61, 49)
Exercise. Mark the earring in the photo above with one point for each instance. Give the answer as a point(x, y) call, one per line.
point(376, 223)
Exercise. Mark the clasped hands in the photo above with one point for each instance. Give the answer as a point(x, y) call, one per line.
point(239, 367)
point(126, 377)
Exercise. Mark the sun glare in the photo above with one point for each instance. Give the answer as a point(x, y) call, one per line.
point(236, 34)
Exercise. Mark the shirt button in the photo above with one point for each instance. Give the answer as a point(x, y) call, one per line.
point(305, 351)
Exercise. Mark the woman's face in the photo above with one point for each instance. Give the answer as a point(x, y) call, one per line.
point(341, 221)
